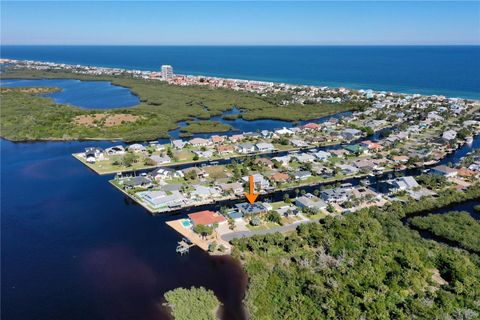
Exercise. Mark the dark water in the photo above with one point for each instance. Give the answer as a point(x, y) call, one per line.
point(85, 94)
point(446, 70)
point(75, 248)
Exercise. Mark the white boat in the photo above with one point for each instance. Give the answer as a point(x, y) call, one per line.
point(469, 140)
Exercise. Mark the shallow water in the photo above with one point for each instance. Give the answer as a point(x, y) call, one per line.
point(84, 94)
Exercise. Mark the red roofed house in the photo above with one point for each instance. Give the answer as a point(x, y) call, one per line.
point(206, 218)
point(371, 145)
point(217, 139)
point(280, 177)
point(311, 126)
point(223, 149)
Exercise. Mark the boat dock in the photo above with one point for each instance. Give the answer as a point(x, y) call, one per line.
point(184, 246)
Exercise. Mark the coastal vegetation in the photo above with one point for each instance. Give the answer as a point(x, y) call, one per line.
point(29, 117)
point(454, 226)
point(366, 265)
point(192, 304)
point(205, 126)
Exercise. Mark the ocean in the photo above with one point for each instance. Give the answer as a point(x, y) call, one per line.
point(442, 70)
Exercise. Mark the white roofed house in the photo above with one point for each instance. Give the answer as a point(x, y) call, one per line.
point(445, 171)
point(284, 160)
point(322, 155)
point(94, 154)
point(199, 142)
point(311, 202)
point(265, 146)
point(137, 148)
point(160, 159)
point(204, 192)
point(347, 169)
point(298, 143)
point(283, 131)
point(403, 183)
point(449, 135)
point(245, 148)
point(304, 157)
point(178, 144)
point(258, 180)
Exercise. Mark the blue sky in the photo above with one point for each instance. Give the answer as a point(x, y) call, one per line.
point(230, 22)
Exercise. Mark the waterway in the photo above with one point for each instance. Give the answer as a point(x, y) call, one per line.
point(73, 247)
point(84, 94)
point(240, 125)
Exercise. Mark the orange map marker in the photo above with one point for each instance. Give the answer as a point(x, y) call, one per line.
point(251, 197)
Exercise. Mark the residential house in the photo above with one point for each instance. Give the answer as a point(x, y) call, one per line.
point(347, 169)
point(311, 202)
point(246, 148)
point(312, 126)
point(351, 134)
point(247, 209)
point(160, 159)
point(115, 150)
point(279, 177)
point(137, 148)
point(304, 157)
point(236, 138)
point(337, 195)
point(264, 162)
point(136, 182)
point(302, 175)
point(445, 171)
point(265, 147)
point(259, 181)
point(94, 154)
point(322, 155)
point(235, 188)
point(201, 192)
point(283, 131)
point(403, 183)
point(225, 149)
point(178, 144)
point(217, 139)
point(199, 142)
point(158, 199)
point(449, 135)
point(206, 218)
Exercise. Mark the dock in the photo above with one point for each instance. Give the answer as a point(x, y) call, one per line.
point(184, 246)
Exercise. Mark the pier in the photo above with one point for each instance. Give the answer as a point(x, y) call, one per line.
point(184, 246)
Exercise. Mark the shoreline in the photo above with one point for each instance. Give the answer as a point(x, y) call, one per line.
point(378, 87)
point(335, 85)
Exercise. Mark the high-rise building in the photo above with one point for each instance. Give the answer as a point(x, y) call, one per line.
point(167, 72)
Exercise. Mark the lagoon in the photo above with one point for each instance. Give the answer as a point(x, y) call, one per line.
point(83, 94)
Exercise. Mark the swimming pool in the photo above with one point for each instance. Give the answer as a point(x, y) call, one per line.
point(186, 223)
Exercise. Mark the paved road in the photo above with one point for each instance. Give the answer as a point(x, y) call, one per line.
point(282, 229)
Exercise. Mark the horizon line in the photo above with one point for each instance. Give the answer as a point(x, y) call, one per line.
point(253, 45)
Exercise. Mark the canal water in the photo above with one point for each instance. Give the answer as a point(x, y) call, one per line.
point(240, 125)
